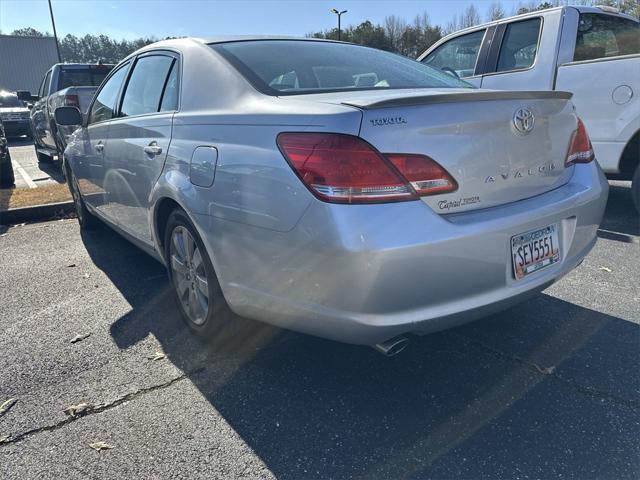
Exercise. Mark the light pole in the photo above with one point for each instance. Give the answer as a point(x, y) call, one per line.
point(339, 14)
point(55, 34)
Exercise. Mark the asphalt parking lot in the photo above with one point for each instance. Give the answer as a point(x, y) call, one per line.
point(549, 389)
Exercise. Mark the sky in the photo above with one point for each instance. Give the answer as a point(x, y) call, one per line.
point(161, 18)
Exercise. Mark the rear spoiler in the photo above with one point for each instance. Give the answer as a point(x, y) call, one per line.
point(471, 96)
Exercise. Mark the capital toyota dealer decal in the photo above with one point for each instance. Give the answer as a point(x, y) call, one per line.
point(461, 202)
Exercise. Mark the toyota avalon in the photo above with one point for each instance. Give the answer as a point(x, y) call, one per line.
point(333, 189)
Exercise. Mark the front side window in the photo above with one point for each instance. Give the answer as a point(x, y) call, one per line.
point(602, 36)
point(104, 105)
point(520, 44)
point(295, 67)
point(145, 86)
point(458, 55)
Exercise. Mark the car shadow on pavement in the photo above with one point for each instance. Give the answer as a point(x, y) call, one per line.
point(543, 390)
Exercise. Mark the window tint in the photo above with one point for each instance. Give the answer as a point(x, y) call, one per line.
point(520, 45)
point(145, 85)
point(83, 77)
point(102, 108)
point(601, 36)
point(170, 95)
point(459, 54)
point(295, 67)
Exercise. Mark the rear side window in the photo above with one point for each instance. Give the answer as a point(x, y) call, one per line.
point(169, 100)
point(83, 77)
point(458, 55)
point(602, 36)
point(146, 85)
point(104, 104)
point(520, 45)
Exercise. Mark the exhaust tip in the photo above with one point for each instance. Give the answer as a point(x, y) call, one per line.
point(392, 347)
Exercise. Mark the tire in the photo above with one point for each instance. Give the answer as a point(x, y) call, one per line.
point(43, 157)
point(86, 219)
point(635, 189)
point(186, 270)
point(7, 178)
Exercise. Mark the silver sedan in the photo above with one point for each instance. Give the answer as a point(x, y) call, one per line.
point(334, 189)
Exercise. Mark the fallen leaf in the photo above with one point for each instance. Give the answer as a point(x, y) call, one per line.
point(80, 337)
point(100, 446)
point(6, 406)
point(156, 356)
point(606, 269)
point(545, 370)
point(75, 410)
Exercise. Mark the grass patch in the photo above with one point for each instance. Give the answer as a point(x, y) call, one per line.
point(27, 197)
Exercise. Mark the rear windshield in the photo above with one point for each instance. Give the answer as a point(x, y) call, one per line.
point(83, 77)
point(10, 101)
point(294, 67)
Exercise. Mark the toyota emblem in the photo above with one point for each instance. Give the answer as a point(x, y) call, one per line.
point(523, 120)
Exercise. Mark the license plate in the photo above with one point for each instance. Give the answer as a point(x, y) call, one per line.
point(534, 250)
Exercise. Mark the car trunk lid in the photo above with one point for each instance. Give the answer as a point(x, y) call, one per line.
point(478, 136)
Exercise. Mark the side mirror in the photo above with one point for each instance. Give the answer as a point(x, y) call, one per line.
point(25, 96)
point(68, 116)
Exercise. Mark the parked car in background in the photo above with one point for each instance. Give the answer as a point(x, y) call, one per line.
point(64, 84)
point(593, 52)
point(14, 115)
point(6, 169)
point(331, 188)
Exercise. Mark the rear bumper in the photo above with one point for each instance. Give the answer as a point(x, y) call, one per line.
point(364, 273)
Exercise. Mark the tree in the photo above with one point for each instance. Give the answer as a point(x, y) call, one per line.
point(496, 12)
point(469, 18)
point(29, 32)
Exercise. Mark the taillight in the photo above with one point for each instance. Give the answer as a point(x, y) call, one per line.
point(580, 149)
point(424, 174)
point(72, 101)
point(343, 169)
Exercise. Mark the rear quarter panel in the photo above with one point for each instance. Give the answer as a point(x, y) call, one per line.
point(606, 94)
point(253, 183)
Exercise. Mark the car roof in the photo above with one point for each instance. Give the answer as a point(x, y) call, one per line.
point(239, 38)
point(242, 38)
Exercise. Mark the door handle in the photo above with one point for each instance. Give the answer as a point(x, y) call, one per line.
point(99, 146)
point(153, 149)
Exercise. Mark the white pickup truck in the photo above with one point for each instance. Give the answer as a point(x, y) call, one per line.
point(593, 52)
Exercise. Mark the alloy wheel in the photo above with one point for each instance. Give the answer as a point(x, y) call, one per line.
point(189, 275)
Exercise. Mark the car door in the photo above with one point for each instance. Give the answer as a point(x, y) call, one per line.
point(91, 167)
point(139, 139)
point(462, 56)
point(38, 112)
point(512, 61)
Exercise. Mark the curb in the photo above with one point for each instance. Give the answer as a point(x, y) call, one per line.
point(35, 212)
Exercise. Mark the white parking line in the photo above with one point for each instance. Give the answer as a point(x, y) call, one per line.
point(25, 176)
